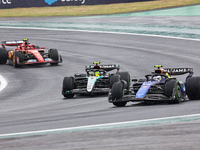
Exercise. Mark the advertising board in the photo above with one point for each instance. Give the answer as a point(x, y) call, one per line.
point(42, 3)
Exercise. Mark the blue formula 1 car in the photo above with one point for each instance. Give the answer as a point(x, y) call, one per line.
point(157, 86)
point(98, 79)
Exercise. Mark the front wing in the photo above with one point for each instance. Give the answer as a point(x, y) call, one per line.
point(148, 97)
point(84, 91)
point(34, 61)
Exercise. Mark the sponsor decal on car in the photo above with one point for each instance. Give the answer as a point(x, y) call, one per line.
point(48, 59)
point(177, 70)
point(108, 66)
point(32, 60)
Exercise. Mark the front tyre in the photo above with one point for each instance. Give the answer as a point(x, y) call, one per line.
point(113, 78)
point(68, 84)
point(126, 77)
point(17, 59)
point(53, 54)
point(173, 90)
point(3, 56)
point(117, 92)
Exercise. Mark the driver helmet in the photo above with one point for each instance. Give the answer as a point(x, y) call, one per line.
point(97, 73)
point(96, 65)
point(25, 41)
point(157, 78)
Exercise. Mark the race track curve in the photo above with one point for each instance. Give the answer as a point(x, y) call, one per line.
point(32, 100)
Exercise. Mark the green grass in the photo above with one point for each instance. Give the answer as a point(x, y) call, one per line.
point(94, 10)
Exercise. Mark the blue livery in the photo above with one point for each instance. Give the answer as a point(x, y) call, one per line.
point(144, 88)
point(160, 85)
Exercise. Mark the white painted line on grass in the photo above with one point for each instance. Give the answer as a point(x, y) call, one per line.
point(128, 124)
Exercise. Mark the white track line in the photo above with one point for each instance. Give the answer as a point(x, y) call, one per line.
point(3, 83)
point(128, 124)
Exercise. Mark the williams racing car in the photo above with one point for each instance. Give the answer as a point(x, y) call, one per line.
point(157, 86)
point(97, 80)
point(26, 53)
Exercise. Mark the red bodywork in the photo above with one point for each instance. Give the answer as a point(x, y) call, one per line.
point(29, 50)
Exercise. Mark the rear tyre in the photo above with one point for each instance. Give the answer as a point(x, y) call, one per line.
point(117, 92)
point(17, 58)
point(37, 47)
point(68, 84)
point(3, 56)
point(173, 90)
point(53, 54)
point(113, 78)
point(193, 88)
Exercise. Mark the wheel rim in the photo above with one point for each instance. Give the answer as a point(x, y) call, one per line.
point(14, 59)
point(177, 93)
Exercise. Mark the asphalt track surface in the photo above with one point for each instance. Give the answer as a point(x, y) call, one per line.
point(32, 101)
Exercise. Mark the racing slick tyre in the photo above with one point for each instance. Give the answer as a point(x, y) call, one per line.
point(117, 92)
point(112, 79)
point(53, 54)
point(3, 56)
point(37, 47)
point(17, 58)
point(193, 88)
point(68, 84)
point(173, 90)
point(126, 77)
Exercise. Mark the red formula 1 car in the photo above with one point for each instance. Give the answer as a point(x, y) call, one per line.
point(26, 53)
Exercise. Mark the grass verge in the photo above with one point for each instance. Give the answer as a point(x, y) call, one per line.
point(86, 10)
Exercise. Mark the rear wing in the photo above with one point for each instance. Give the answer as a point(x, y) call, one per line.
point(11, 43)
point(104, 67)
point(178, 71)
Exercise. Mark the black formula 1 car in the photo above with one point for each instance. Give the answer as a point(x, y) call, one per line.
point(26, 54)
point(157, 86)
point(98, 79)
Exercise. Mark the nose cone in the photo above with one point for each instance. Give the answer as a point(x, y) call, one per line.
point(91, 83)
